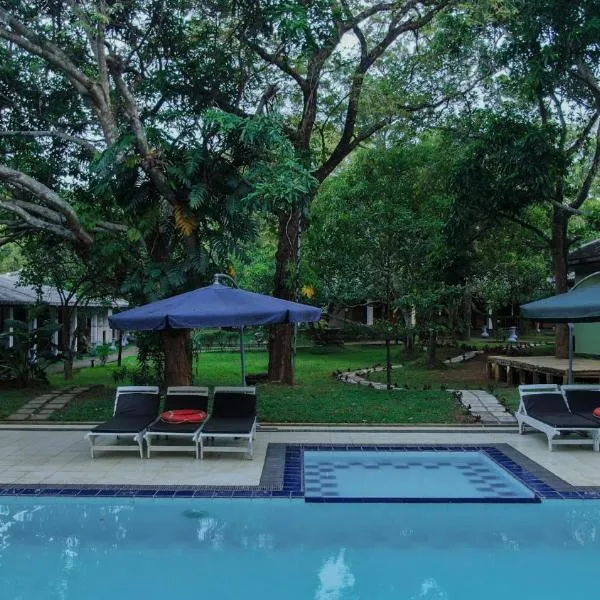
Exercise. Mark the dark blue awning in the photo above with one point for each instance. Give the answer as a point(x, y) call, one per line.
point(214, 306)
point(580, 305)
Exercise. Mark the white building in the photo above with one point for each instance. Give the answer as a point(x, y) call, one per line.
point(91, 317)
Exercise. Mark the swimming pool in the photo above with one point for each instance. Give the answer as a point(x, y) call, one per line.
point(94, 549)
point(409, 476)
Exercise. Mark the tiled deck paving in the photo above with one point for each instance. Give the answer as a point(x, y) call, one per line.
point(58, 458)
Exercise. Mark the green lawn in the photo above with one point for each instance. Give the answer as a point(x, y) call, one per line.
point(317, 396)
point(11, 400)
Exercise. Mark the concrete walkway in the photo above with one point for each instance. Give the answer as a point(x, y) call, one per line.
point(30, 455)
point(40, 408)
point(485, 406)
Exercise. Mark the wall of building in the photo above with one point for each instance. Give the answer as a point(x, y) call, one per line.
point(587, 335)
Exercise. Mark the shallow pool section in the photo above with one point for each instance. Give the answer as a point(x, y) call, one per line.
point(95, 549)
point(409, 476)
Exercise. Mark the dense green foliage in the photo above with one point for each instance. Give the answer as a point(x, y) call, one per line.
point(164, 141)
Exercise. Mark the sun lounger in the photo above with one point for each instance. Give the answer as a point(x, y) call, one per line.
point(547, 411)
point(538, 387)
point(233, 418)
point(136, 407)
point(582, 399)
point(178, 398)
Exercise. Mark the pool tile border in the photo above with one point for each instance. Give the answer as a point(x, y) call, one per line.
point(282, 477)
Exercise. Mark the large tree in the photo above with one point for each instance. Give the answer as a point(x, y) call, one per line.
point(103, 137)
point(550, 60)
point(326, 70)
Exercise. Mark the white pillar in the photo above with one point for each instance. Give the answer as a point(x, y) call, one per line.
point(490, 322)
point(413, 317)
point(11, 315)
point(109, 313)
point(369, 313)
point(94, 329)
point(73, 330)
point(55, 334)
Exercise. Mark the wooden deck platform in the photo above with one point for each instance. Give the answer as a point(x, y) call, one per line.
point(519, 370)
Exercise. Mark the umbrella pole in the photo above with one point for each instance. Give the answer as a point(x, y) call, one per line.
point(243, 357)
point(571, 349)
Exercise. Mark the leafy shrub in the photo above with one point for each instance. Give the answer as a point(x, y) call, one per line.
point(26, 361)
point(103, 351)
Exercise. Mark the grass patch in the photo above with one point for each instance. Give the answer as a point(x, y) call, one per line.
point(317, 396)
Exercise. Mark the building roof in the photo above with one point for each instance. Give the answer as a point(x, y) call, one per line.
point(14, 294)
point(587, 254)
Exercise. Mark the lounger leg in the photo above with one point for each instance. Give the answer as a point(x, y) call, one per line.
point(549, 443)
point(92, 441)
point(148, 445)
point(250, 447)
point(140, 440)
point(201, 440)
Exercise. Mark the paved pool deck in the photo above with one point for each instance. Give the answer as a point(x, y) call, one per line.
point(31, 455)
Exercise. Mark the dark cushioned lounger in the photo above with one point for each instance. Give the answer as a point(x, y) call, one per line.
point(178, 398)
point(583, 402)
point(233, 418)
point(549, 413)
point(124, 424)
point(135, 409)
point(228, 425)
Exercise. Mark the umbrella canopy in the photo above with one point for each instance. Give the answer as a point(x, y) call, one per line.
point(214, 306)
point(580, 305)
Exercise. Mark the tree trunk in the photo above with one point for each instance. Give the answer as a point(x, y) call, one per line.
point(467, 313)
point(281, 337)
point(178, 356)
point(560, 251)
point(66, 344)
point(431, 349)
point(120, 351)
point(388, 363)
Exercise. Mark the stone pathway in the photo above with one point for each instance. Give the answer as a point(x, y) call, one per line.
point(358, 377)
point(40, 408)
point(485, 406)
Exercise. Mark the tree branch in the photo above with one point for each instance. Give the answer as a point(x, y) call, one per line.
point(149, 161)
point(578, 143)
point(105, 226)
point(396, 27)
point(275, 60)
point(591, 175)
point(38, 223)
point(53, 133)
point(584, 74)
point(528, 226)
point(30, 41)
point(48, 197)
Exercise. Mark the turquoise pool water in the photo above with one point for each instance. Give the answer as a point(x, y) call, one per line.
point(411, 475)
point(281, 549)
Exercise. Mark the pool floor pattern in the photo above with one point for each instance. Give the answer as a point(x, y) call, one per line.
point(409, 476)
point(282, 476)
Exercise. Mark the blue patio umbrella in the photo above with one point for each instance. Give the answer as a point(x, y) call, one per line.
point(580, 305)
point(216, 305)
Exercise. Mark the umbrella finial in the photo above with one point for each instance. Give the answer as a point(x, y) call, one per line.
point(218, 276)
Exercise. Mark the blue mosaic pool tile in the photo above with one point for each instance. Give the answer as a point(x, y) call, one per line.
point(291, 484)
point(164, 493)
point(184, 494)
point(145, 493)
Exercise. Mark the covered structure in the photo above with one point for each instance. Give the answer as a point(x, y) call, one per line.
point(580, 305)
point(89, 316)
point(216, 305)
